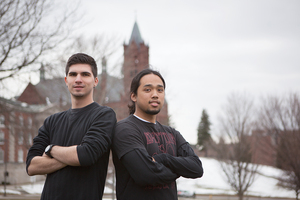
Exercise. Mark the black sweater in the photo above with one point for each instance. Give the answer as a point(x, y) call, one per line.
point(135, 144)
point(91, 129)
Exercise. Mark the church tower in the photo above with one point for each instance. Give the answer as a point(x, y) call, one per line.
point(136, 58)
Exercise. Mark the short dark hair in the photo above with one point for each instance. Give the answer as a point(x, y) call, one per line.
point(135, 83)
point(81, 58)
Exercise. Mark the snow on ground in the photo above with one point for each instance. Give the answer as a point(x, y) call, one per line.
point(213, 182)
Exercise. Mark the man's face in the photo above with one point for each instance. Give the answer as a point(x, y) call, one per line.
point(80, 80)
point(150, 95)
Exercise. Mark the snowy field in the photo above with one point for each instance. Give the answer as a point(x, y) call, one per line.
point(213, 182)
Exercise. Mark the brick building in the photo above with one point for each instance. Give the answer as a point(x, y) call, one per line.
point(21, 118)
point(19, 123)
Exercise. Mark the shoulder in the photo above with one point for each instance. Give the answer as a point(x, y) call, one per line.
point(130, 120)
point(167, 128)
point(54, 119)
point(124, 125)
point(130, 123)
point(101, 110)
point(57, 116)
point(128, 126)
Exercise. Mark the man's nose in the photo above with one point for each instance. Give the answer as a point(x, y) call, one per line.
point(154, 94)
point(78, 78)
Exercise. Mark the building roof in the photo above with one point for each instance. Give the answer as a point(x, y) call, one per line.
point(54, 90)
point(136, 35)
point(22, 106)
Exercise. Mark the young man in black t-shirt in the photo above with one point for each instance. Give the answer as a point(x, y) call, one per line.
point(72, 147)
point(148, 156)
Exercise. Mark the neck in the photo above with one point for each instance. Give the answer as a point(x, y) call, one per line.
point(80, 103)
point(147, 117)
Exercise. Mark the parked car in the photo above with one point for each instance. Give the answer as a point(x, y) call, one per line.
point(186, 193)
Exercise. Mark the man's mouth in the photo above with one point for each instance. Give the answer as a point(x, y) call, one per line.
point(154, 103)
point(78, 87)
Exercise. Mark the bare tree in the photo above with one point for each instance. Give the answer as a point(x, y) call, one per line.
point(280, 118)
point(99, 46)
point(234, 149)
point(28, 30)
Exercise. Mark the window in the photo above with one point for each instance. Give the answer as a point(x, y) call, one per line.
point(20, 156)
point(1, 156)
point(29, 122)
point(29, 139)
point(2, 121)
point(13, 117)
point(21, 120)
point(21, 138)
point(2, 137)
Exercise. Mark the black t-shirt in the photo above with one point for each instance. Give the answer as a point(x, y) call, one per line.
point(135, 144)
point(91, 129)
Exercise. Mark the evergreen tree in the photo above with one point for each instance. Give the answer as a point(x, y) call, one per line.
point(204, 132)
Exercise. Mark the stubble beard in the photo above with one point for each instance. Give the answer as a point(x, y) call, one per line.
point(152, 112)
point(80, 95)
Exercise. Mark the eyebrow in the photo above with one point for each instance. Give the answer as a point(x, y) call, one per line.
point(84, 72)
point(150, 85)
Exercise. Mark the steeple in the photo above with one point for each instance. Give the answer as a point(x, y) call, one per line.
point(136, 35)
point(42, 72)
point(136, 58)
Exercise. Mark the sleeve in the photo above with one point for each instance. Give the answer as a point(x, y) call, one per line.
point(186, 163)
point(126, 138)
point(40, 142)
point(97, 140)
point(144, 171)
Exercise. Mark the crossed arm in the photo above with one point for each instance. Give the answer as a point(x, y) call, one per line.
point(94, 144)
point(162, 168)
point(62, 156)
point(145, 171)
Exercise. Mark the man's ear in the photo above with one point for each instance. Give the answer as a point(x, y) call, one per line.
point(133, 97)
point(66, 81)
point(96, 81)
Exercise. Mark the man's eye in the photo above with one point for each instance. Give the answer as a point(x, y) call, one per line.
point(147, 90)
point(72, 74)
point(85, 74)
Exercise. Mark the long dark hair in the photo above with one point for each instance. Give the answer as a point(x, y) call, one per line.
point(135, 83)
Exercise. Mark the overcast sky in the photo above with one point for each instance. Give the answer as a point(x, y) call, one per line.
point(208, 49)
